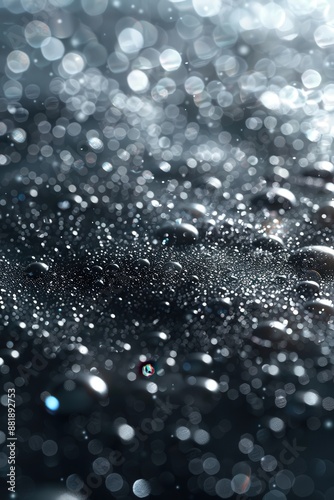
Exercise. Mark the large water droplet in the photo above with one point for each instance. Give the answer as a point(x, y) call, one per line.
point(275, 199)
point(36, 270)
point(322, 169)
point(269, 333)
point(271, 243)
point(317, 257)
point(180, 234)
point(321, 308)
point(308, 288)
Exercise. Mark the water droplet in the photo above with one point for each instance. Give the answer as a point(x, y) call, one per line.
point(179, 234)
point(275, 199)
point(141, 264)
point(36, 270)
point(268, 334)
point(317, 257)
point(112, 269)
point(321, 308)
point(218, 307)
point(172, 267)
point(308, 288)
point(322, 169)
point(271, 243)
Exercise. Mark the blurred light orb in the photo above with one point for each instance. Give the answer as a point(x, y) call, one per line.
point(33, 6)
point(130, 40)
point(207, 8)
point(272, 16)
point(311, 79)
point(194, 85)
point(36, 32)
point(170, 60)
point(18, 61)
point(52, 49)
point(73, 63)
point(52, 403)
point(94, 8)
point(137, 81)
point(324, 36)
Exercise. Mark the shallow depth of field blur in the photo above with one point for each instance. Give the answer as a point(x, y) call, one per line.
point(167, 249)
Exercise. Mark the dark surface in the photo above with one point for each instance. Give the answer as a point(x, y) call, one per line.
point(206, 256)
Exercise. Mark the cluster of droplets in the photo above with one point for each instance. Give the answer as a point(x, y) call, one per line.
point(156, 87)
